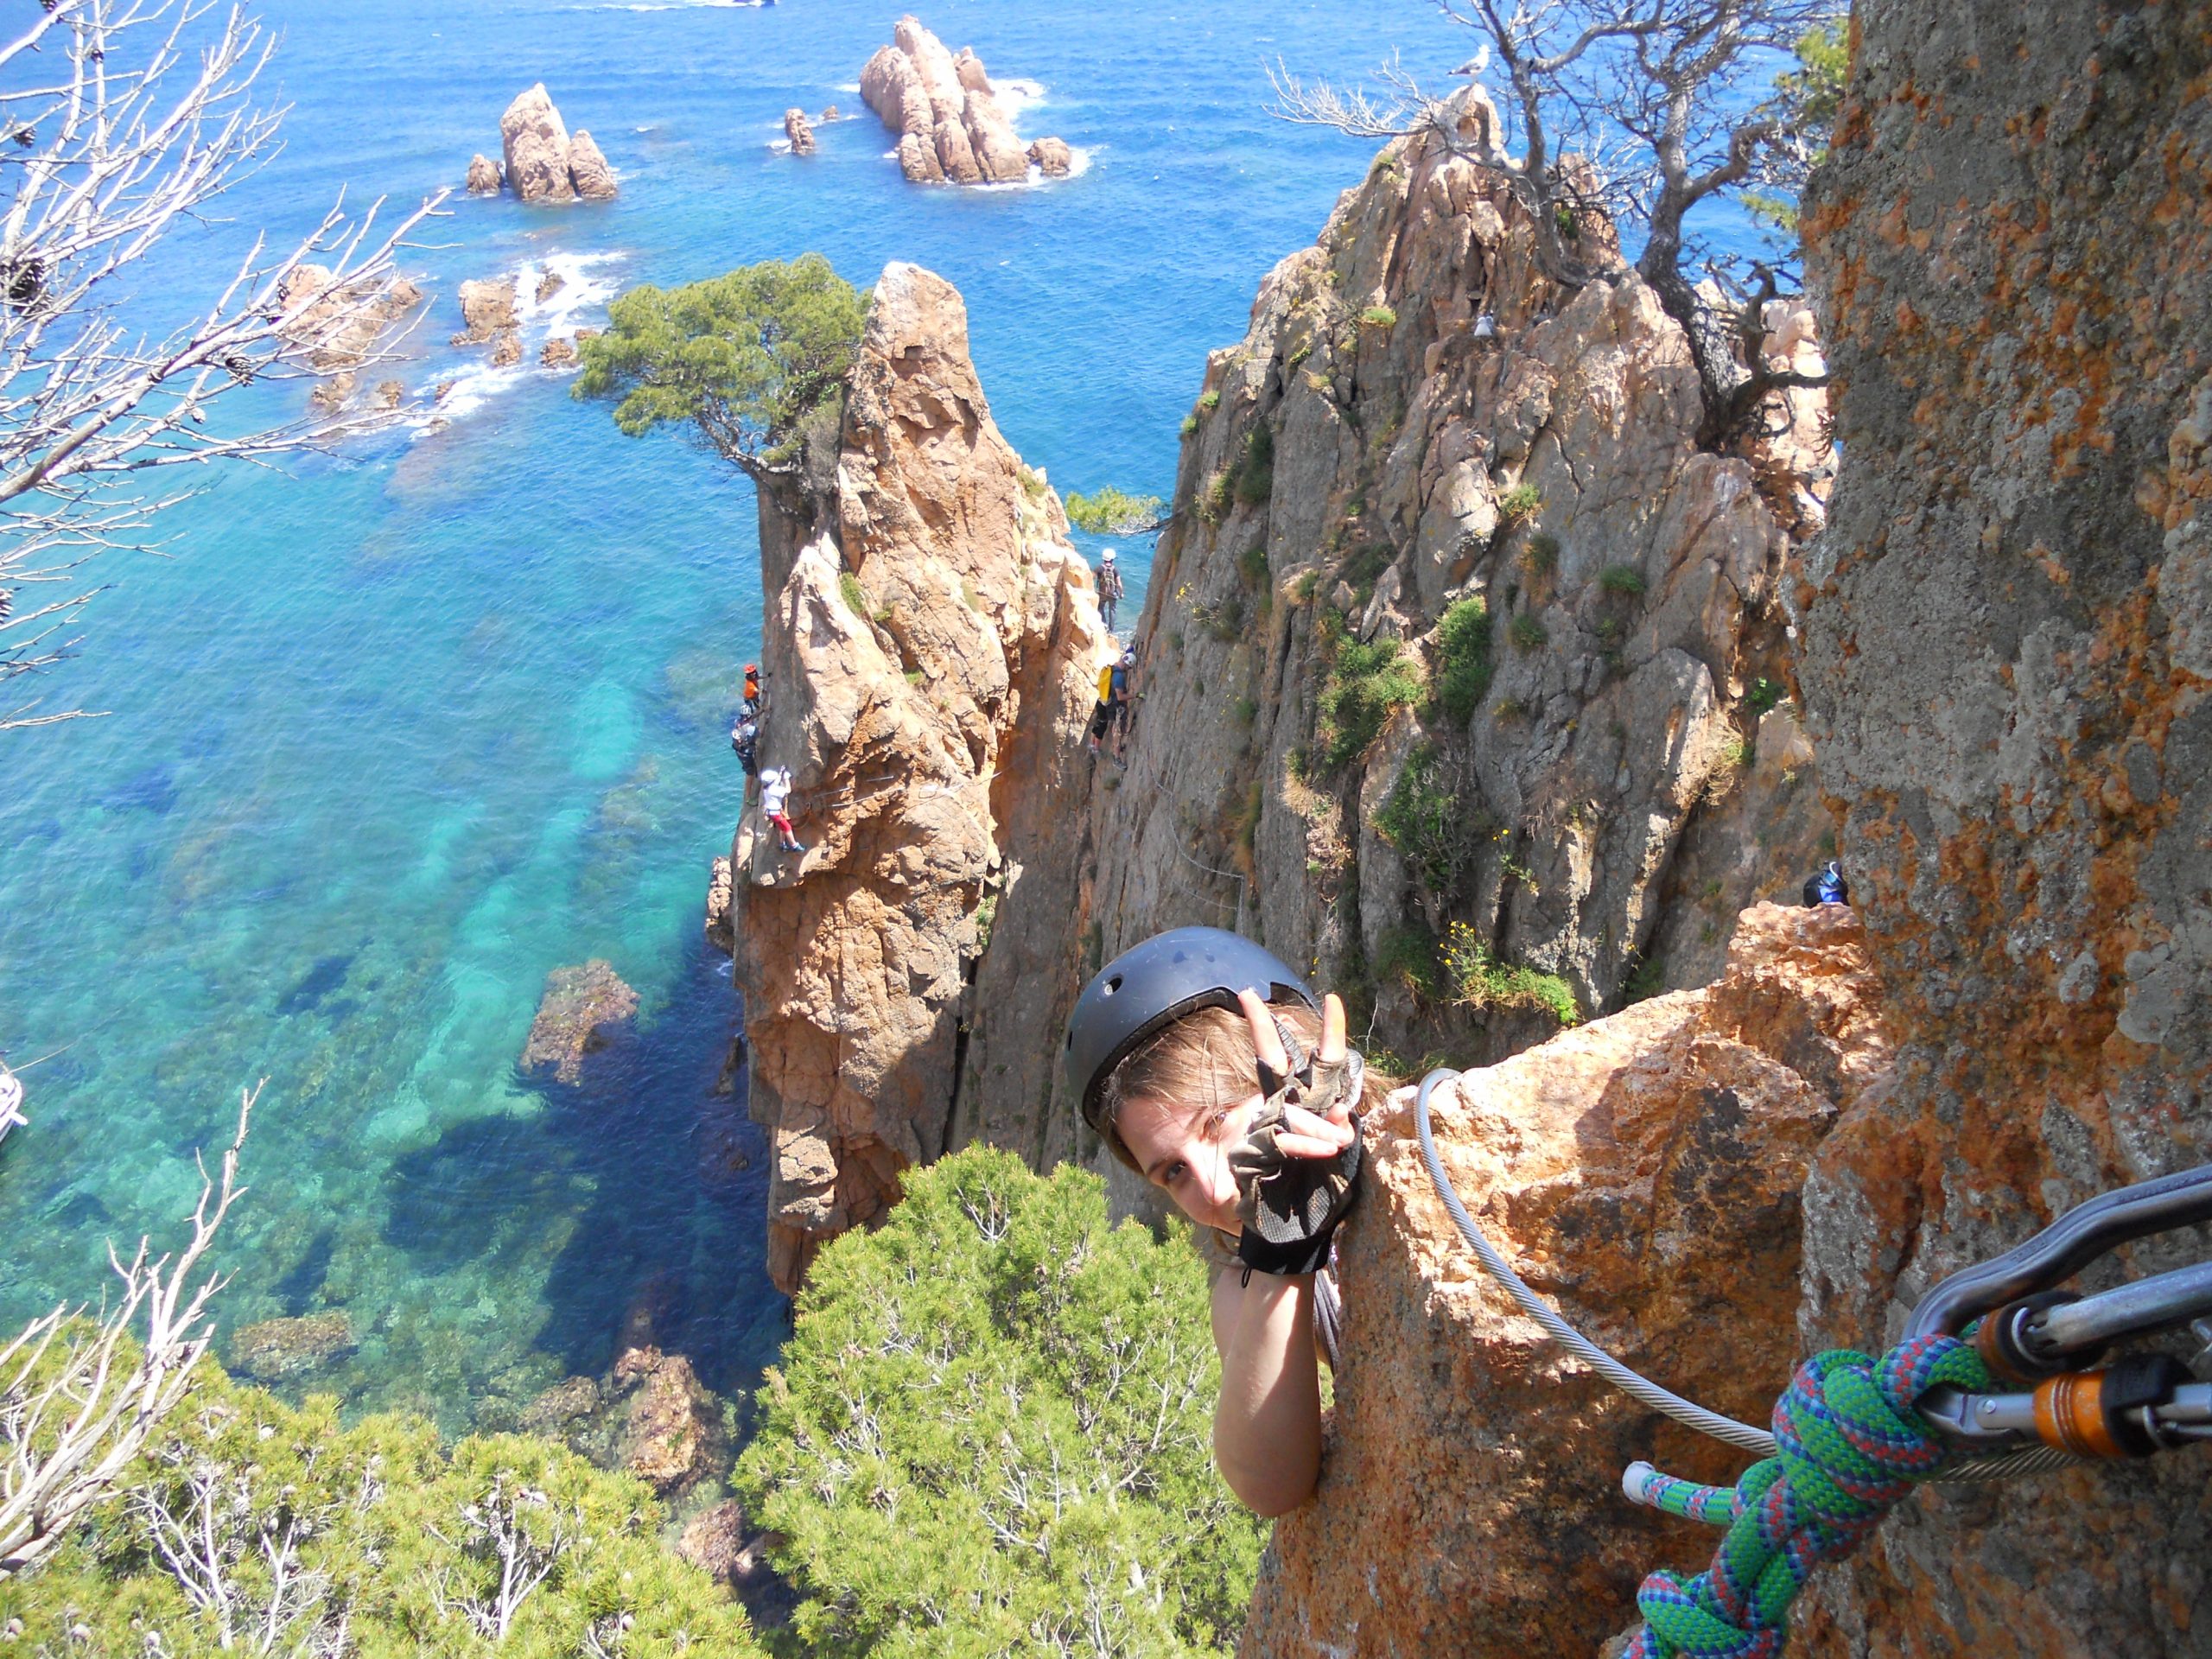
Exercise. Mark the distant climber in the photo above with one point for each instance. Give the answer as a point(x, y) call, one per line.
point(1102, 717)
point(744, 737)
point(1110, 588)
point(1828, 887)
point(752, 690)
point(1119, 694)
point(775, 797)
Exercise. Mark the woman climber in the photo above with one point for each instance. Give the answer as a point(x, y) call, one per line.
point(1210, 1069)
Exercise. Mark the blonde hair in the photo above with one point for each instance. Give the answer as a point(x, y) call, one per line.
point(1203, 1063)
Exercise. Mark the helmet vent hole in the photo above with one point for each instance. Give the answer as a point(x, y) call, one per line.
point(1113, 985)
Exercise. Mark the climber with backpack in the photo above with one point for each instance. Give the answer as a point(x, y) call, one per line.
point(1110, 588)
point(1212, 1071)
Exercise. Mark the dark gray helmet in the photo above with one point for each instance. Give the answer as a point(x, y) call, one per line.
point(1150, 986)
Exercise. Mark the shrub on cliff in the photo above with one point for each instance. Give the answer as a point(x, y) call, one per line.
point(751, 360)
point(250, 1525)
point(1365, 683)
point(991, 1431)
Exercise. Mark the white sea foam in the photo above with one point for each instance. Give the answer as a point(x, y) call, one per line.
point(674, 5)
point(586, 288)
point(1016, 95)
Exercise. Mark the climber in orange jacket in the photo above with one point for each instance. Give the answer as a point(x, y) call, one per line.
point(1210, 1069)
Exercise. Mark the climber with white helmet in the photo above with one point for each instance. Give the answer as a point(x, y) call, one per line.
point(1210, 1069)
point(1110, 588)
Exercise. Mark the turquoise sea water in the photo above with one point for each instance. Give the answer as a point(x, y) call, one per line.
point(395, 732)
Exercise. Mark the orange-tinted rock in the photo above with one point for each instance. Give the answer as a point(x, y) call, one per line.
point(484, 178)
point(799, 131)
point(1051, 157)
point(2006, 672)
point(1641, 1172)
point(934, 735)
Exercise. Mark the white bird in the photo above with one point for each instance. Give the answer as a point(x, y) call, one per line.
point(1475, 64)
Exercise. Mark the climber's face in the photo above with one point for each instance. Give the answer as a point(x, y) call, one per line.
point(1185, 1153)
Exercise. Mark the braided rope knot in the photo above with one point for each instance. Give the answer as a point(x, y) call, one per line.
point(1850, 1446)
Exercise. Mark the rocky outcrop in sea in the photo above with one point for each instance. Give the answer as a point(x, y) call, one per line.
point(952, 127)
point(343, 323)
point(544, 162)
point(798, 132)
point(930, 644)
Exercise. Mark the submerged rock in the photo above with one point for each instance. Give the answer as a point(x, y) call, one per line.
point(672, 1434)
point(947, 115)
point(583, 1010)
point(342, 323)
point(277, 1351)
point(549, 284)
point(800, 134)
point(559, 353)
point(1643, 1173)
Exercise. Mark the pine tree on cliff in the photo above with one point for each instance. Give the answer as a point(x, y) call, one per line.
point(1669, 77)
point(754, 363)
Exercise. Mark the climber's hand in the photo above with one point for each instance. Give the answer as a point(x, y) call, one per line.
point(1303, 1133)
point(1296, 1170)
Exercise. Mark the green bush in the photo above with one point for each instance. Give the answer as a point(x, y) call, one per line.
point(1113, 513)
point(1406, 955)
point(1214, 498)
point(1462, 659)
point(1478, 980)
point(1765, 694)
point(1365, 683)
point(991, 1431)
point(1527, 631)
point(1431, 823)
point(1255, 479)
point(1520, 501)
point(1648, 979)
point(1542, 556)
point(1252, 565)
point(1379, 316)
point(1622, 580)
point(1210, 401)
point(390, 1544)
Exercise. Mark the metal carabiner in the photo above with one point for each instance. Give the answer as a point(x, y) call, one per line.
point(2063, 1248)
point(2035, 1335)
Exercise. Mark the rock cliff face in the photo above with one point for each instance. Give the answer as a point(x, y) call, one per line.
point(930, 646)
point(2008, 649)
point(1643, 1173)
point(952, 126)
point(1443, 537)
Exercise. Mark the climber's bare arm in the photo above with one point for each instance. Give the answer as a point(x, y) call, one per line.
point(1266, 1430)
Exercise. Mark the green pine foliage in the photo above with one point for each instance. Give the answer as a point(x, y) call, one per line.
point(991, 1432)
point(753, 361)
point(391, 1547)
point(1110, 511)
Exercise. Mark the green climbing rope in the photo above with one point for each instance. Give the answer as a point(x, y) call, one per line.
point(1850, 1447)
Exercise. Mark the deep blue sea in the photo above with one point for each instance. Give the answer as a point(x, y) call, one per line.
point(393, 732)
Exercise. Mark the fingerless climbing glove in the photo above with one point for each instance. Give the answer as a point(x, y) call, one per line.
point(1290, 1206)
